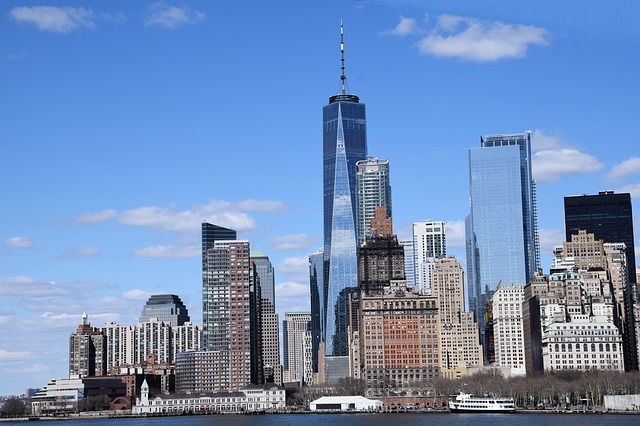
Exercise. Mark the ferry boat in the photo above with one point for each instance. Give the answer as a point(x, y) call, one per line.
point(466, 403)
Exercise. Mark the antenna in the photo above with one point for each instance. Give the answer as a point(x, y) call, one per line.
point(342, 77)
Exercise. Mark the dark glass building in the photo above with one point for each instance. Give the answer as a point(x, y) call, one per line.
point(607, 216)
point(344, 137)
point(167, 308)
point(610, 218)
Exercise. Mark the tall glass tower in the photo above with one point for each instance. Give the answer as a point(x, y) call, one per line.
point(501, 229)
point(373, 190)
point(344, 144)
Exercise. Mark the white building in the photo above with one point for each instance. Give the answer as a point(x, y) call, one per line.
point(345, 403)
point(508, 327)
point(249, 398)
point(429, 244)
point(295, 327)
point(582, 344)
point(372, 190)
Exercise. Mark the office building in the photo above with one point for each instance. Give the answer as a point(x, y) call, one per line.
point(318, 296)
point(381, 257)
point(501, 228)
point(409, 263)
point(270, 323)
point(459, 339)
point(296, 329)
point(609, 217)
point(166, 308)
point(399, 338)
point(429, 244)
point(344, 144)
point(87, 351)
point(373, 190)
point(508, 329)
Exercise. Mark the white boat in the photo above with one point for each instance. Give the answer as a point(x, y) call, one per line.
point(466, 403)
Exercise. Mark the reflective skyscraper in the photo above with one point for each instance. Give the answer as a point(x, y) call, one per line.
point(501, 229)
point(373, 190)
point(344, 144)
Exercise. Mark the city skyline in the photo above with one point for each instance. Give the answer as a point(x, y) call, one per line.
point(127, 125)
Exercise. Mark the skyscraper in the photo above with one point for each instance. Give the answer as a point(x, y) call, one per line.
point(344, 144)
point(87, 351)
point(380, 258)
point(373, 190)
point(231, 317)
point(501, 228)
point(318, 296)
point(429, 244)
point(270, 324)
point(610, 218)
point(210, 234)
point(295, 331)
point(167, 308)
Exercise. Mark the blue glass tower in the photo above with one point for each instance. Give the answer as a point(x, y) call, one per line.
point(344, 144)
point(501, 229)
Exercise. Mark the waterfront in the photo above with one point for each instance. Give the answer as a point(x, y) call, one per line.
point(404, 419)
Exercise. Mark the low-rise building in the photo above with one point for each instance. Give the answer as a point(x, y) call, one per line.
point(250, 398)
point(345, 403)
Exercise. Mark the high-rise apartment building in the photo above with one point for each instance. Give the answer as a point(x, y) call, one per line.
point(166, 308)
point(210, 234)
point(609, 217)
point(373, 190)
point(296, 327)
point(501, 228)
point(232, 321)
point(344, 144)
point(429, 244)
point(87, 354)
point(459, 339)
point(270, 324)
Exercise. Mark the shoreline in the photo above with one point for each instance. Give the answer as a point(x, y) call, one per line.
point(120, 415)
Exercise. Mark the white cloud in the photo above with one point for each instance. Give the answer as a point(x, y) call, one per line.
point(634, 190)
point(54, 19)
point(627, 167)
point(75, 253)
point(168, 252)
point(455, 234)
point(406, 26)
point(294, 268)
point(18, 242)
point(6, 355)
point(548, 166)
point(136, 294)
point(172, 17)
point(95, 217)
point(296, 242)
point(554, 158)
point(540, 141)
point(549, 238)
point(480, 41)
point(22, 286)
point(294, 297)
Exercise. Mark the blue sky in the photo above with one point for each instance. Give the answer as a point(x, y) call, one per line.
point(125, 124)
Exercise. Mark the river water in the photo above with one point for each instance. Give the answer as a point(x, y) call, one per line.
point(395, 419)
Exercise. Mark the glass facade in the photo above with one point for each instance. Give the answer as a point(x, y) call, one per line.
point(318, 296)
point(501, 229)
point(344, 144)
point(373, 190)
point(167, 308)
